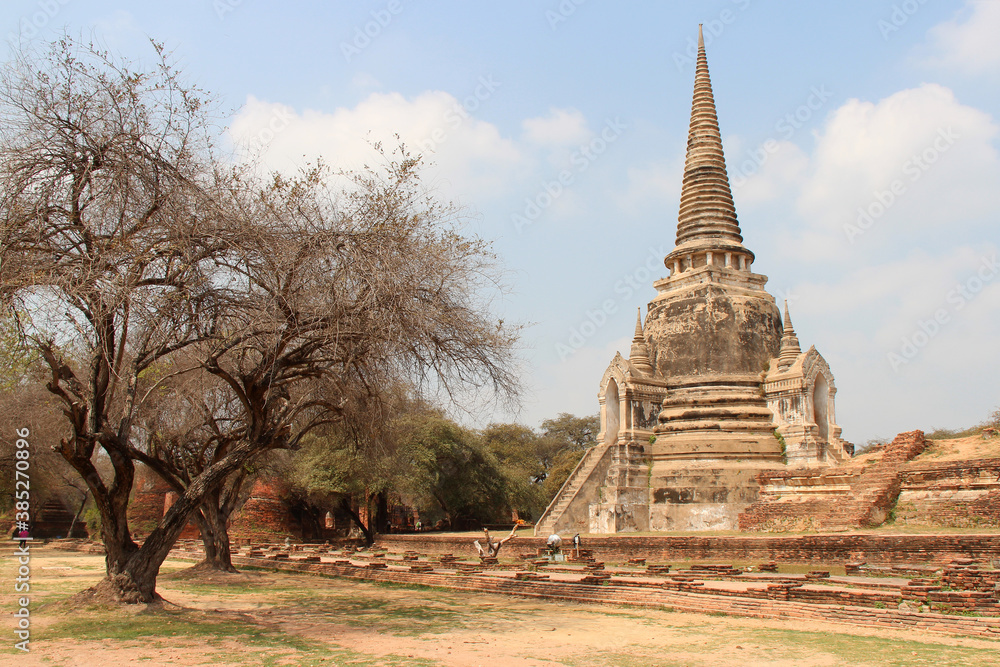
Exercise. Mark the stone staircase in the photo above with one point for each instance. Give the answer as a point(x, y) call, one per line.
point(551, 520)
point(875, 491)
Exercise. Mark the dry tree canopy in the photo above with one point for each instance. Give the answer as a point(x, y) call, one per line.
point(126, 237)
point(363, 278)
point(109, 225)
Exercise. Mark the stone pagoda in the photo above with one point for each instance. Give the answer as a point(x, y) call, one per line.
point(715, 388)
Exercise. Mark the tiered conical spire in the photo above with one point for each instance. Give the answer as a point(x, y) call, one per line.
point(707, 209)
point(789, 350)
point(639, 354)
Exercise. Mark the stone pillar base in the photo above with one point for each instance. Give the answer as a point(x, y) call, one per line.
point(702, 496)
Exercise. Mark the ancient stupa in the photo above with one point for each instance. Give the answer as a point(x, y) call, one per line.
point(715, 388)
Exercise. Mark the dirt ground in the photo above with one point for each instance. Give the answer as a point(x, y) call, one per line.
point(267, 618)
point(961, 449)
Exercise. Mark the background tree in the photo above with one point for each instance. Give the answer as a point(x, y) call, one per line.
point(567, 438)
point(454, 475)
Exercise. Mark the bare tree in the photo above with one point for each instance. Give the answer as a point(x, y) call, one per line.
point(122, 234)
point(190, 423)
point(108, 228)
point(345, 298)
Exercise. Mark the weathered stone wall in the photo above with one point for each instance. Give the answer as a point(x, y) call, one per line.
point(854, 496)
point(955, 493)
point(712, 328)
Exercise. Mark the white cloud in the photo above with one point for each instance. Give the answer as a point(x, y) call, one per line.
point(917, 160)
point(561, 127)
point(471, 158)
point(774, 173)
point(908, 340)
point(654, 188)
point(969, 41)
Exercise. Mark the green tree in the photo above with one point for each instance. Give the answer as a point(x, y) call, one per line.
point(428, 460)
point(567, 438)
point(520, 453)
point(452, 471)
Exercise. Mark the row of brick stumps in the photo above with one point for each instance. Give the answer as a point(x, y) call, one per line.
point(818, 549)
point(786, 601)
point(954, 599)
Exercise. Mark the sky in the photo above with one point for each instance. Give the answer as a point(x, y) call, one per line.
point(861, 141)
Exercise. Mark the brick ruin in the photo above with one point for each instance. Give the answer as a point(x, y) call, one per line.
point(151, 498)
point(951, 592)
point(265, 516)
point(893, 482)
point(963, 494)
point(55, 520)
point(268, 514)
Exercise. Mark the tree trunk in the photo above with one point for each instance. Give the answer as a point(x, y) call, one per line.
point(207, 539)
point(215, 535)
point(345, 504)
point(132, 570)
point(76, 517)
point(382, 522)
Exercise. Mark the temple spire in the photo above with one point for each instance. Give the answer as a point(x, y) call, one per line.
point(639, 354)
point(707, 210)
point(789, 350)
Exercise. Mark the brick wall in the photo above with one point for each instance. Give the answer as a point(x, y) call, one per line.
point(150, 500)
point(873, 491)
point(805, 549)
point(954, 493)
point(265, 517)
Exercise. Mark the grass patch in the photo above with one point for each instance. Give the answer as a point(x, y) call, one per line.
point(171, 628)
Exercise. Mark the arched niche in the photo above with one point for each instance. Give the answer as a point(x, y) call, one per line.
point(612, 413)
point(821, 407)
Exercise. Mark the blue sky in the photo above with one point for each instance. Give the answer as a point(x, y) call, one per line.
point(861, 139)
